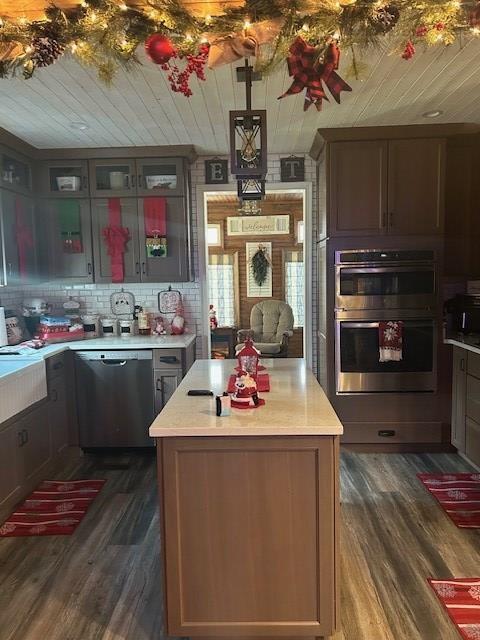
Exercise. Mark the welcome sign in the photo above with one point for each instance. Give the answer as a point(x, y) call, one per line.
point(258, 225)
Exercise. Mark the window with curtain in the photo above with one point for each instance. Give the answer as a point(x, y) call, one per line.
point(294, 273)
point(223, 286)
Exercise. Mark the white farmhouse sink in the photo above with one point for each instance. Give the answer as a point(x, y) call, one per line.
point(21, 385)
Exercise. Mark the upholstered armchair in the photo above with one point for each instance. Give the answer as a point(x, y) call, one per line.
point(271, 325)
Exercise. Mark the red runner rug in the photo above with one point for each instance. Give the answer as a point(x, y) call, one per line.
point(263, 383)
point(53, 509)
point(461, 600)
point(458, 495)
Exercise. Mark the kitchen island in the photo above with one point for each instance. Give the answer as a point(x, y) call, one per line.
point(249, 508)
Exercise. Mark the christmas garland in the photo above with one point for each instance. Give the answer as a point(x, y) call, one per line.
point(106, 33)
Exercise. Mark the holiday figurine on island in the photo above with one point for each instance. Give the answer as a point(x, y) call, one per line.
point(246, 392)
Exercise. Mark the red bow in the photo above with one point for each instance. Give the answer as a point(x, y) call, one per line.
point(308, 72)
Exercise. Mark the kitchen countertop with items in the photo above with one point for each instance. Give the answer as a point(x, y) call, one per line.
point(16, 353)
point(469, 342)
point(295, 404)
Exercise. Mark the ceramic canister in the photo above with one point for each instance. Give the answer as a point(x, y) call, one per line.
point(127, 328)
point(109, 327)
point(90, 326)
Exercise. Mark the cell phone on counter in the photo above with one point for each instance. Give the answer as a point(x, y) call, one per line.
point(199, 392)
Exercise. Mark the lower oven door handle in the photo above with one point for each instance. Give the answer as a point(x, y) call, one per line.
point(375, 325)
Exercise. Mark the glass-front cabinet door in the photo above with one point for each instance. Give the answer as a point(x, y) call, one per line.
point(115, 240)
point(67, 245)
point(15, 172)
point(19, 241)
point(163, 176)
point(63, 178)
point(113, 178)
point(164, 239)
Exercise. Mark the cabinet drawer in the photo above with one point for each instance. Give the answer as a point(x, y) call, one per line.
point(391, 433)
point(56, 366)
point(472, 442)
point(473, 364)
point(473, 398)
point(167, 358)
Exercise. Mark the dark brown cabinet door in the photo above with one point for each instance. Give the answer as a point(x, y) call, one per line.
point(67, 244)
point(19, 238)
point(10, 443)
point(165, 251)
point(103, 211)
point(357, 183)
point(36, 451)
point(58, 414)
point(416, 179)
point(459, 387)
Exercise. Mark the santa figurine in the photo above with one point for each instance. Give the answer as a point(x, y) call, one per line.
point(212, 315)
point(178, 323)
point(245, 390)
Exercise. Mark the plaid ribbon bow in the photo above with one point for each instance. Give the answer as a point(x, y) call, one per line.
point(308, 72)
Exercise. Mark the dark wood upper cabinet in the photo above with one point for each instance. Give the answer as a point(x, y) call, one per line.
point(15, 171)
point(101, 216)
point(160, 176)
point(67, 240)
point(62, 178)
point(378, 187)
point(19, 237)
point(357, 187)
point(172, 262)
point(113, 178)
point(416, 184)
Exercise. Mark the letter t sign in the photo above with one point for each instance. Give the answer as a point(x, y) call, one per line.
point(216, 171)
point(292, 169)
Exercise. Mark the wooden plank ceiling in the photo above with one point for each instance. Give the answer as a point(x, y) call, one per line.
point(140, 109)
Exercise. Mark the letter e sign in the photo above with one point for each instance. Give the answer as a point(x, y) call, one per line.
point(216, 171)
point(292, 169)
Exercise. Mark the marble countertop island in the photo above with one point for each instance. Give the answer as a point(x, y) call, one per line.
point(295, 404)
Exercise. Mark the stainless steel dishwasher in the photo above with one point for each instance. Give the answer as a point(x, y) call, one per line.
point(115, 398)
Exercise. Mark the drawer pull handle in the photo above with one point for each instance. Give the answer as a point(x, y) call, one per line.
point(386, 433)
point(169, 359)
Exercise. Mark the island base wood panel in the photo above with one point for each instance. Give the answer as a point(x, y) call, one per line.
point(249, 529)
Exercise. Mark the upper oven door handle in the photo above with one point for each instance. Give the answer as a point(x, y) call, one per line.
point(383, 269)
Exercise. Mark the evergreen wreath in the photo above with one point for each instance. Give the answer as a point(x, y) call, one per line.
point(260, 265)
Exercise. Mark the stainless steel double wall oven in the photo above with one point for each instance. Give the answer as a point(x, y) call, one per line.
point(372, 286)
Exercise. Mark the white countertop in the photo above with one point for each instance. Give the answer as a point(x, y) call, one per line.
point(295, 405)
point(470, 343)
point(135, 342)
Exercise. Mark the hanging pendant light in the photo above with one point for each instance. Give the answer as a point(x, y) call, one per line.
point(248, 145)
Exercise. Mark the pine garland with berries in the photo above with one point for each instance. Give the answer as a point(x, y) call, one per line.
point(106, 34)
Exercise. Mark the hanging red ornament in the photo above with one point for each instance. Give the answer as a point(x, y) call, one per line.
point(421, 31)
point(159, 48)
point(409, 51)
point(474, 16)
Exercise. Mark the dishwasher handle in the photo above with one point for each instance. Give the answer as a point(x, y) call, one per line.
point(114, 363)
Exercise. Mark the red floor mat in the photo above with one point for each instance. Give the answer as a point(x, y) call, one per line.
point(458, 495)
point(461, 600)
point(53, 509)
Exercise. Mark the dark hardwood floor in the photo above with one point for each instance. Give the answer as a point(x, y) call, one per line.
point(102, 583)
